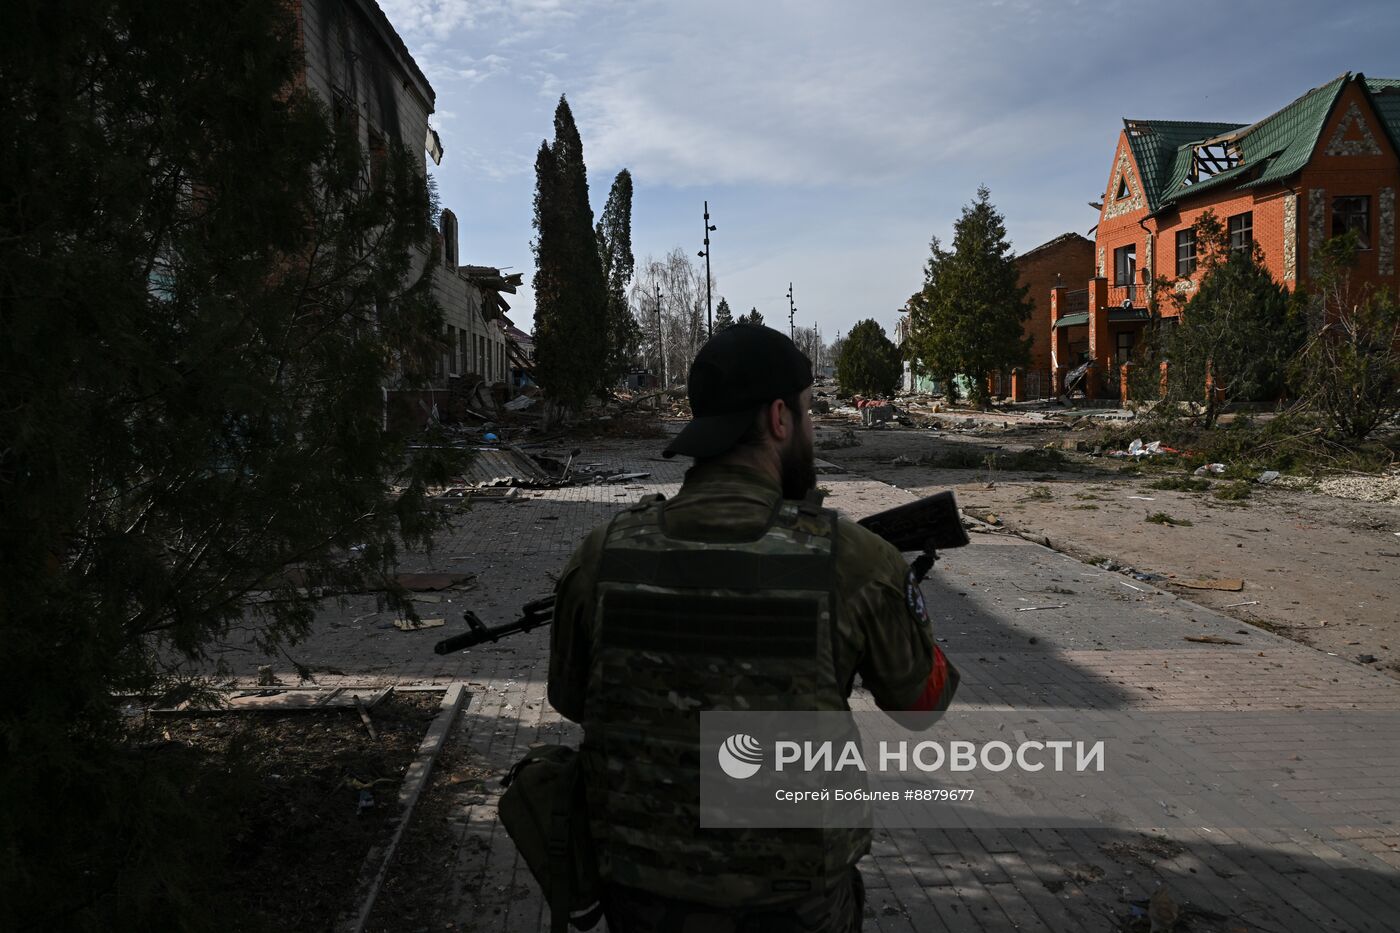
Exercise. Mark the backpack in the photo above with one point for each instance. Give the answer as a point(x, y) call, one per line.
point(544, 811)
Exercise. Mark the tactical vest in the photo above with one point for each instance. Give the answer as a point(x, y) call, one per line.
point(682, 626)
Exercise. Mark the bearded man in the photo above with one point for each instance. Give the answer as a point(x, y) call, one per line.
point(741, 593)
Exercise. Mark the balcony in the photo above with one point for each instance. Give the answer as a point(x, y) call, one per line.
point(1127, 296)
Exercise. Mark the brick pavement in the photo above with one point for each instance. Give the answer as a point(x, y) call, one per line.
point(1118, 645)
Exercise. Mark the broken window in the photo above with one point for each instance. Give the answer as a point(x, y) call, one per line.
point(1186, 251)
point(449, 238)
point(1241, 230)
point(1211, 158)
point(1125, 264)
point(1353, 213)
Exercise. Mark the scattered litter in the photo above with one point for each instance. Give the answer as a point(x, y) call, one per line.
point(1230, 586)
point(423, 582)
point(1212, 640)
point(1367, 658)
point(623, 477)
point(1131, 587)
point(1251, 602)
point(1216, 468)
point(408, 625)
point(1143, 498)
point(902, 460)
point(1268, 476)
point(427, 598)
point(1035, 608)
point(366, 802)
point(520, 403)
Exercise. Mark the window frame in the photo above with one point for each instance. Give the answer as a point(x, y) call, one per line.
point(1245, 233)
point(1119, 252)
point(1186, 242)
point(1363, 241)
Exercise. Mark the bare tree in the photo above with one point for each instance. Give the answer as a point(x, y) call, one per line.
point(670, 340)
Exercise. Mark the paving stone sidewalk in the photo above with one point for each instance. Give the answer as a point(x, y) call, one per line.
point(1118, 645)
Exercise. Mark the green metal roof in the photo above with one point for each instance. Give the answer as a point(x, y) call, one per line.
point(1271, 149)
point(1073, 320)
point(1385, 97)
point(1155, 144)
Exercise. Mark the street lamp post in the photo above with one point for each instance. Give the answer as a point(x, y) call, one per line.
point(792, 316)
point(709, 309)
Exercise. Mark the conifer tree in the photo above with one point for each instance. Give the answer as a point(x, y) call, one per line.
point(614, 234)
point(723, 316)
point(869, 362)
point(968, 317)
point(571, 315)
point(207, 284)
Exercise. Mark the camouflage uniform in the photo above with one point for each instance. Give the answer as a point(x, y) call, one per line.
point(726, 597)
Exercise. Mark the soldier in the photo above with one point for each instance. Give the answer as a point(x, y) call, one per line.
point(678, 606)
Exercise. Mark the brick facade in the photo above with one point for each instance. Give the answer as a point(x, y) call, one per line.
point(1066, 260)
point(1347, 151)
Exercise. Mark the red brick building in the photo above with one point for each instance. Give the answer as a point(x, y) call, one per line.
point(1066, 260)
point(1324, 164)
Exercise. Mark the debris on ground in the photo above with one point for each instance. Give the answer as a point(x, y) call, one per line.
point(1205, 468)
point(434, 582)
point(843, 439)
point(278, 700)
point(409, 625)
point(1227, 585)
point(1212, 640)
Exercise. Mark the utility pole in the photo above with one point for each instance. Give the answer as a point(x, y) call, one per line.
point(709, 309)
point(792, 316)
point(660, 342)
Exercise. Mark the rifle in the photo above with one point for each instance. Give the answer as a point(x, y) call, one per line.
point(929, 525)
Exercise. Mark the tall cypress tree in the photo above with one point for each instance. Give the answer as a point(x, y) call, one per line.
point(571, 334)
point(614, 234)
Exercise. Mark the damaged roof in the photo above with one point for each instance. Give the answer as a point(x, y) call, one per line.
point(1269, 150)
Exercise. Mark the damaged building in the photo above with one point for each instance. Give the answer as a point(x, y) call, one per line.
point(358, 64)
point(1323, 165)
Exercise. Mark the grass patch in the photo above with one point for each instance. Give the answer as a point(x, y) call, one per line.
point(1181, 484)
point(1039, 494)
point(1162, 518)
point(1233, 492)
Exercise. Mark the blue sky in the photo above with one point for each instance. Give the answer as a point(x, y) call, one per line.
point(832, 139)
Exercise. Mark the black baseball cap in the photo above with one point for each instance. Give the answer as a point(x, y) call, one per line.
point(738, 370)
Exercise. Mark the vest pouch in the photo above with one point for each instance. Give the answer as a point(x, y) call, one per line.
point(544, 811)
